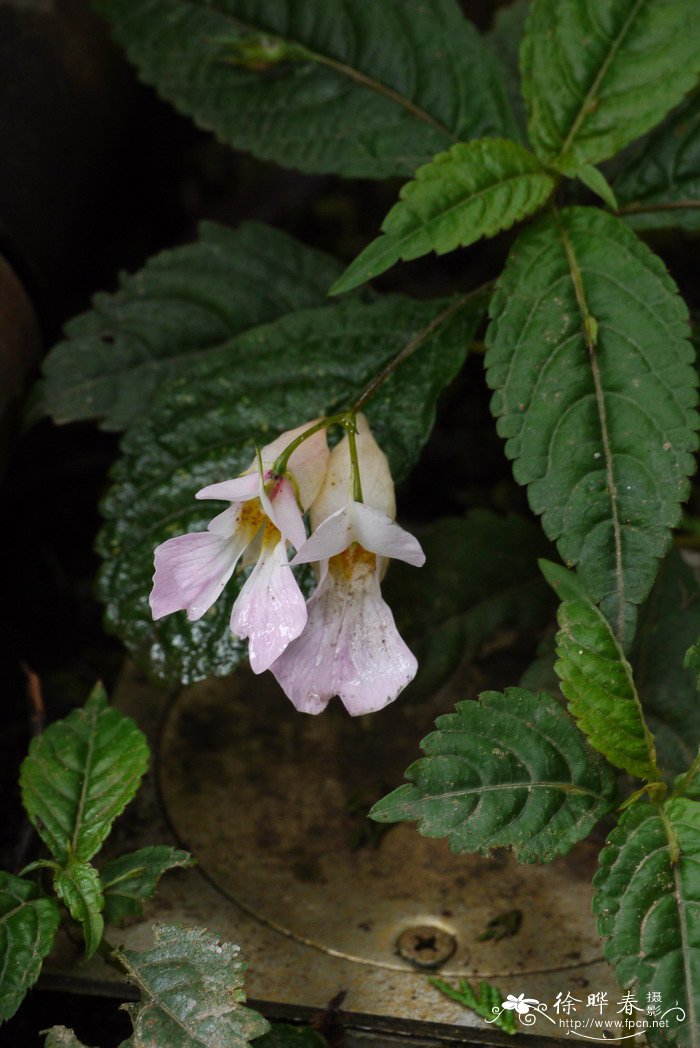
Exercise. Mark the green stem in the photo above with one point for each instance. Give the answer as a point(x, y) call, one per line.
point(650, 209)
point(692, 771)
point(351, 429)
point(111, 955)
point(280, 465)
point(40, 864)
point(415, 342)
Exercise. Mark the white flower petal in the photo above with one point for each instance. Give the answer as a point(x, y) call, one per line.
point(282, 509)
point(379, 534)
point(350, 648)
point(372, 529)
point(237, 490)
point(270, 609)
point(333, 536)
point(226, 522)
point(191, 571)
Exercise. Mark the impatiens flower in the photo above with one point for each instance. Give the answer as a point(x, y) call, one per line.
point(350, 646)
point(264, 516)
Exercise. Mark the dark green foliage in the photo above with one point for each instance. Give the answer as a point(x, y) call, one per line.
point(659, 185)
point(78, 886)
point(458, 600)
point(181, 306)
point(28, 925)
point(129, 880)
point(599, 73)
point(595, 395)
point(362, 89)
point(80, 774)
point(596, 678)
point(647, 895)
point(669, 623)
point(474, 190)
point(510, 770)
point(192, 995)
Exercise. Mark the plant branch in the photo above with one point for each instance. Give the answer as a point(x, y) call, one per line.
point(669, 205)
point(415, 342)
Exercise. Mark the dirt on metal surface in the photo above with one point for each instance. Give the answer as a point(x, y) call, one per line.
point(273, 806)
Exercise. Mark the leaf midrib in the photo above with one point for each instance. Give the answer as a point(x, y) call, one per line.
point(583, 111)
point(155, 1001)
point(343, 68)
point(611, 486)
point(562, 787)
point(590, 710)
point(87, 769)
point(397, 244)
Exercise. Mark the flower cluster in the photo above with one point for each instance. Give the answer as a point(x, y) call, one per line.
point(343, 641)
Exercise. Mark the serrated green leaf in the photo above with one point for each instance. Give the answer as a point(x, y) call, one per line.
point(596, 678)
point(659, 184)
point(510, 770)
point(80, 773)
point(28, 925)
point(363, 89)
point(182, 305)
point(203, 428)
point(131, 879)
point(505, 39)
point(599, 73)
point(646, 898)
point(283, 1035)
point(474, 190)
point(595, 393)
point(192, 993)
point(78, 886)
point(487, 1002)
point(669, 623)
point(480, 575)
point(62, 1037)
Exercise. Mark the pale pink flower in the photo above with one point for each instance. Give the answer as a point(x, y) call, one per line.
point(350, 646)
point(265, 516)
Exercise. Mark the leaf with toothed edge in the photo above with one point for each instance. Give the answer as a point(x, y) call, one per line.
point(78, 886)
point(509, 770)
point(129, 880)
point(595, 392)
point(599, 73)
point(361, 89)
point(203, 427)
point(181, 305)
point(474, 190)
point(597, 680)
point(192, 995)
point(80, 774)
point(505, 38)
point(669, 624)
point(646, 898)
point(659, 185)
point(28, 925)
